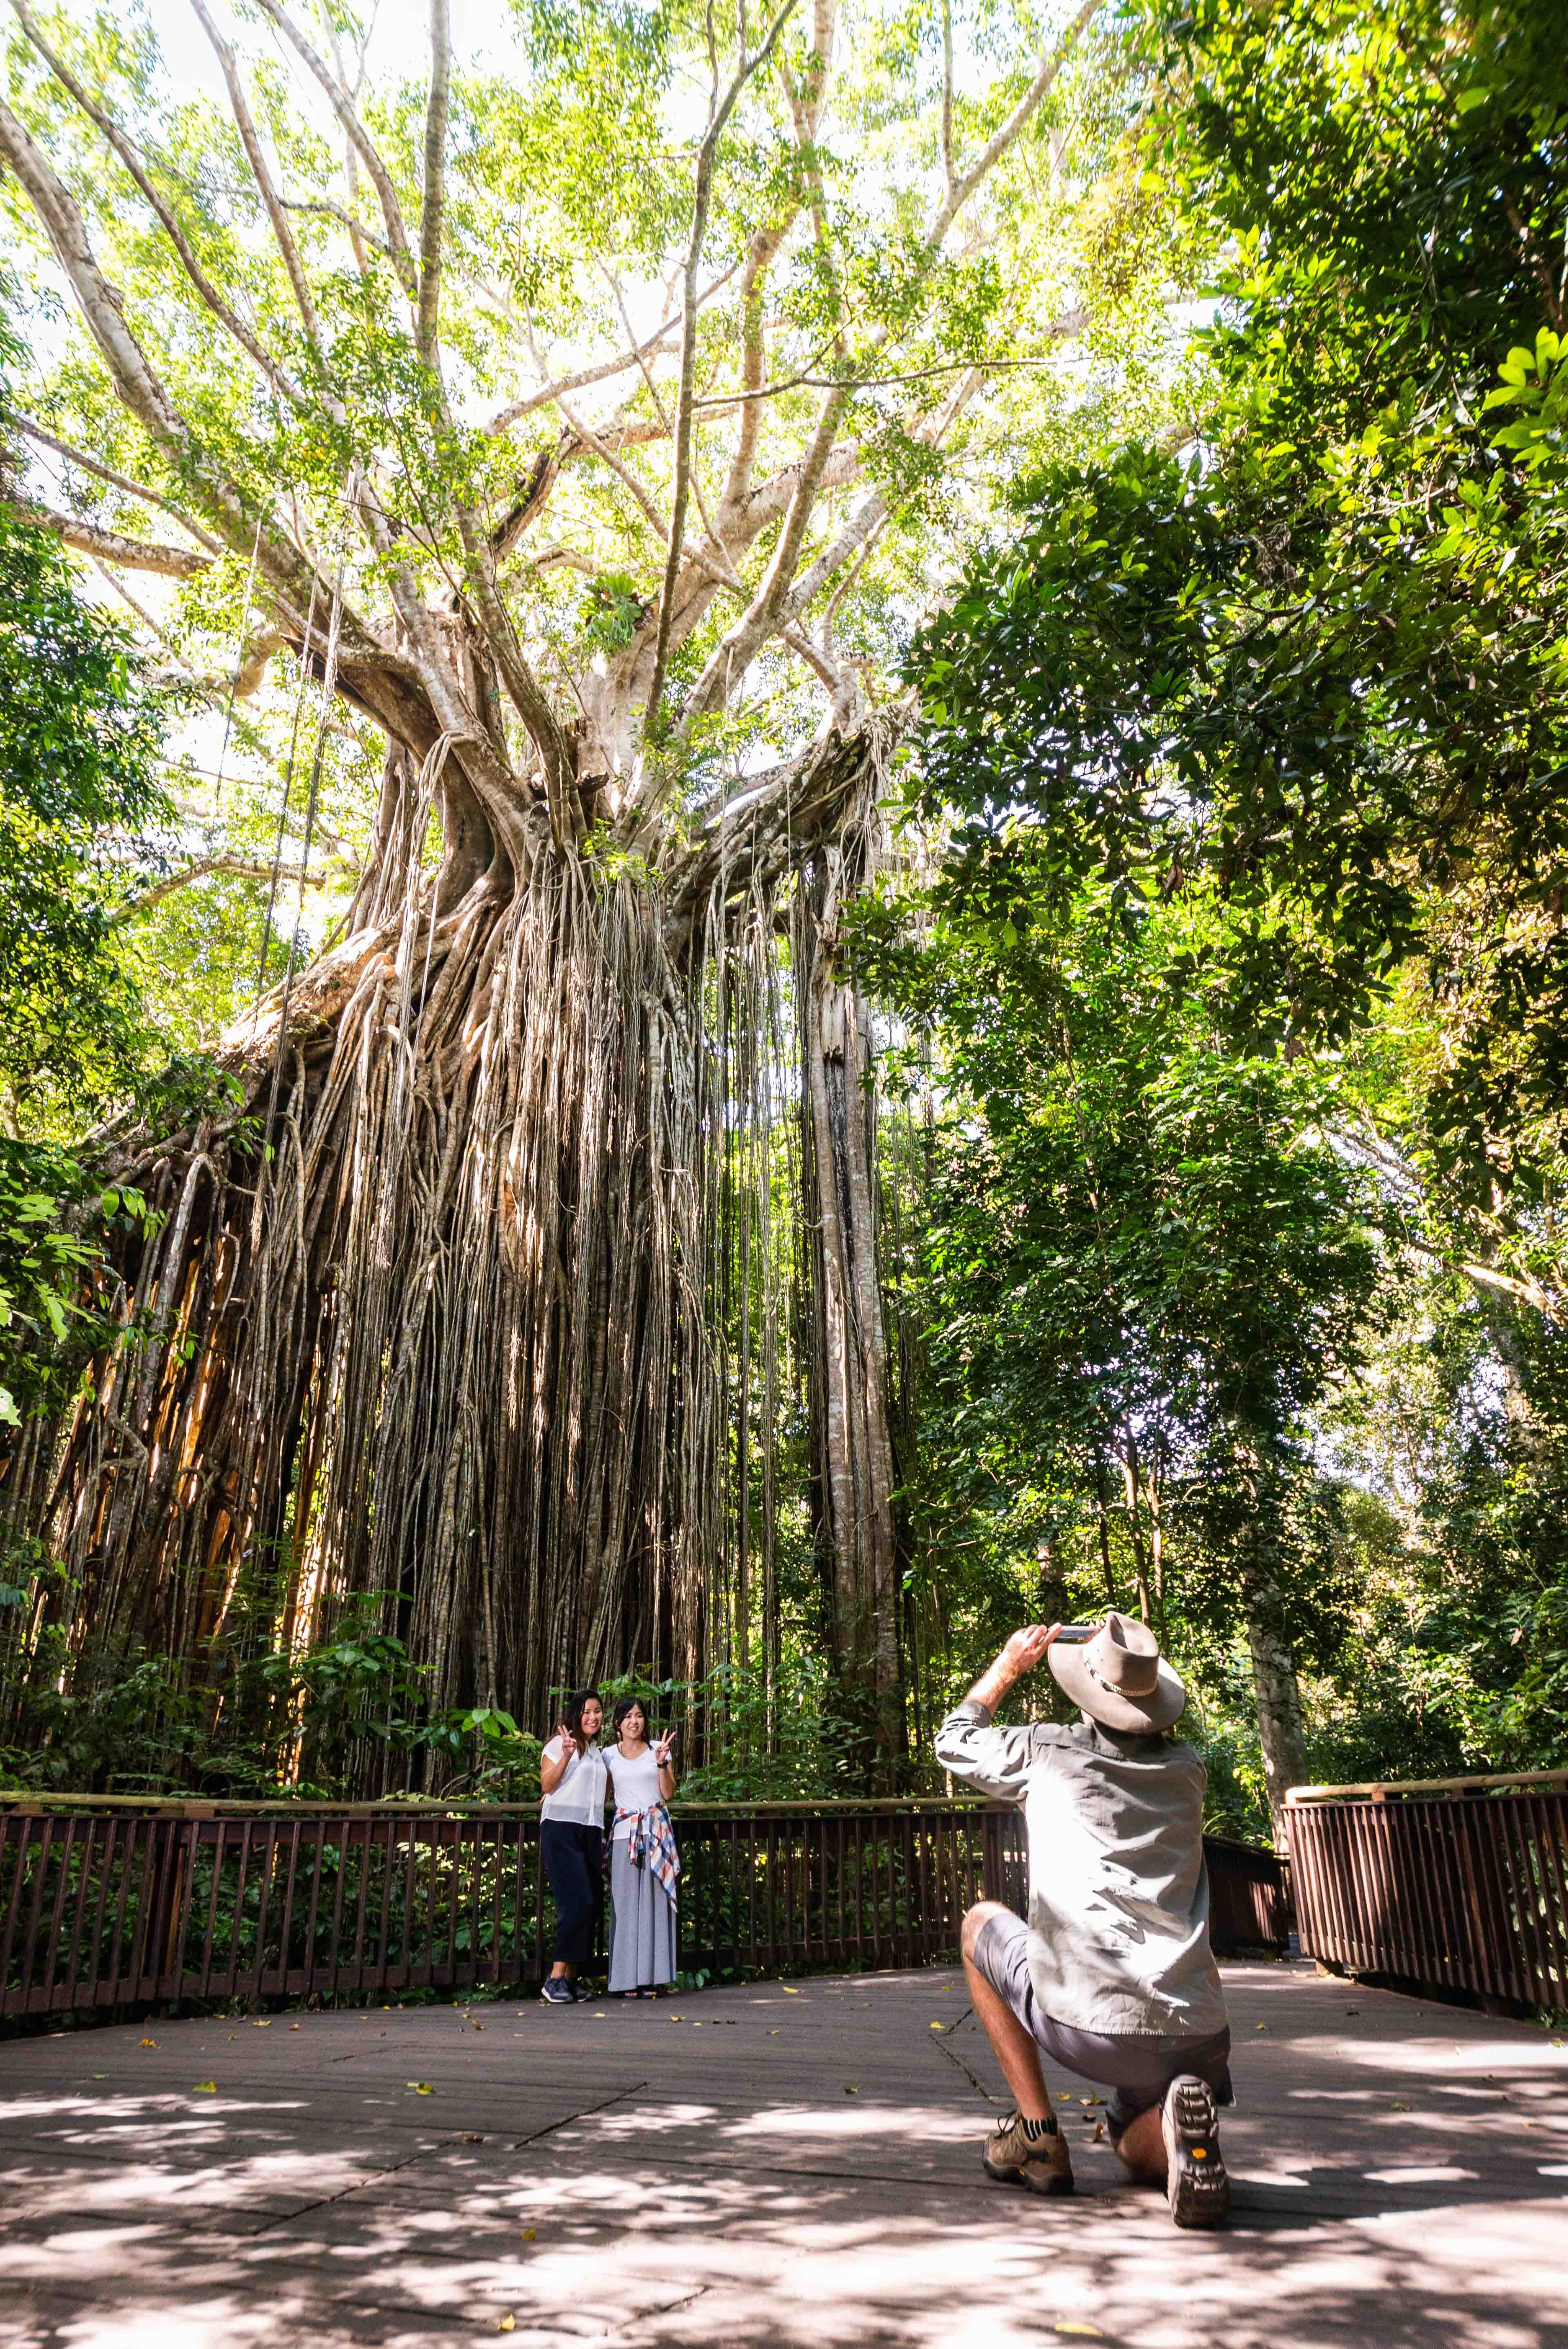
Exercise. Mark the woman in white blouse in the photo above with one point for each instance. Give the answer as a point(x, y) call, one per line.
point(572, 1840)
point(643, 1865)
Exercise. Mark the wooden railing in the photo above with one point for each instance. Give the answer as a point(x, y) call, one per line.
point(1447, 1883)
point(108, 1903)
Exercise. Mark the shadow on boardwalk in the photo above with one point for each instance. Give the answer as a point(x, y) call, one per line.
point(765, 2166)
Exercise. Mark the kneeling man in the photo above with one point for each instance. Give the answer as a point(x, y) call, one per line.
point(1112, 1975)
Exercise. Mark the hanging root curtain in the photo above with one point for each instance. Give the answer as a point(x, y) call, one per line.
point(464, 1300)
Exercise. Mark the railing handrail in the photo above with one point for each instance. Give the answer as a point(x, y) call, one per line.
point(1379, 1790)
point(34, 1804)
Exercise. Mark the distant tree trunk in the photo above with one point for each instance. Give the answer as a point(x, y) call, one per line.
point(1278, 1697)
point(851, 1438)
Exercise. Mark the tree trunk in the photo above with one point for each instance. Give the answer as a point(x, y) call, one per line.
point(452, 1337)
point(852, 1441)
point(1278, 1698)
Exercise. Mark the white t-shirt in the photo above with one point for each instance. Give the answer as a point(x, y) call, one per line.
point(636, 1784)
point(579, 1796)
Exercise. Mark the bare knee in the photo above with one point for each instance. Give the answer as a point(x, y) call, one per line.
point(975, 1922)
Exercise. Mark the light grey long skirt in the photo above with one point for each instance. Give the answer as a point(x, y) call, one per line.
point(642, 1926)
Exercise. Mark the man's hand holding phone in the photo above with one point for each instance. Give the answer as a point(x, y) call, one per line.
point(1023, 1651)
point(1027, 1648)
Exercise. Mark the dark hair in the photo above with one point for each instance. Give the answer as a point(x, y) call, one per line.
point(627, 1705)
point(572, 1719)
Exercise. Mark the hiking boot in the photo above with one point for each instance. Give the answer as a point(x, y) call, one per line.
point(557, 1992)
point(1043, 2164)
point(1196, 2185)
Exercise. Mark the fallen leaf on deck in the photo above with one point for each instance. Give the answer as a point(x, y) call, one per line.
point(529, 2234)
point(851, 2092)
point(1076, 2324)
point(420, 2087)
point(506, 2324)
point(293, 2027)
point(471, 2140)
point(206, 2087)
point(936, 2026)
point(1398, 2109)
point(266, 2022)
point(1099, 2132)
point(787, 1992)
point(773, 2033)
point(149, 2042)
point(1262, 2026)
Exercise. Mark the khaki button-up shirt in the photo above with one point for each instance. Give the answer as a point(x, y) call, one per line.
point(1119, 1893)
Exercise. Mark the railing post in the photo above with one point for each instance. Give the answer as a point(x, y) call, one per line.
point(993, 1857)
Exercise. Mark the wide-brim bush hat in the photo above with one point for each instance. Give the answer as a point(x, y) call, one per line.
point(1119, 1678)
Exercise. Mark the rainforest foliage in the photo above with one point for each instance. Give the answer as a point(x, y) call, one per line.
point(820, 902)
point(1247, 761)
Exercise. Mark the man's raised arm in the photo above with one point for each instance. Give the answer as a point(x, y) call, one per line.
point(995, 1761)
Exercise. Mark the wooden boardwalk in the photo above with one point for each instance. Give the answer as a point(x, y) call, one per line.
point(765, 2166)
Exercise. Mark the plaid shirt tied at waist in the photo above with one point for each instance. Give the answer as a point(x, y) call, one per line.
point(651, 1844)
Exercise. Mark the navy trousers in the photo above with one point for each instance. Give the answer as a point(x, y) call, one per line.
point(575, 1862)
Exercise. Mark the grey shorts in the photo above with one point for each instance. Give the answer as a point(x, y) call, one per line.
point(1138, 2065)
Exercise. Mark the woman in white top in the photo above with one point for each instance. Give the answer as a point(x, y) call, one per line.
point(572, 1839)
point(643, 1861)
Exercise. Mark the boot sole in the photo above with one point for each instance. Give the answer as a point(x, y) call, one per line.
point(1055, 2183)
point(1198, 2189)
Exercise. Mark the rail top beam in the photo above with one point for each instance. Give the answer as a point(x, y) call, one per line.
point(33, 1805)
point(1392, 1790)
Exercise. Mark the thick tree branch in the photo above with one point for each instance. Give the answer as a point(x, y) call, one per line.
point(1028, 106)
point(123, 482)
point(947, 97)
point(359, 237)
point(282, 382)
point(254, 156)
point(365, 146)
point(129, 553)
point(731, 657)
point(719, 113)
point(253, 668)
point(760, 254)
point(236, 868)
point(699, 575)
point(103, 311)
point(436, 118)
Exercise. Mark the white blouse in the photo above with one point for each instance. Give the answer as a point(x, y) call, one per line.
point(636, 1784)
point(578, 1795)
